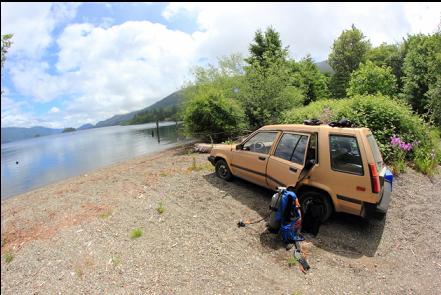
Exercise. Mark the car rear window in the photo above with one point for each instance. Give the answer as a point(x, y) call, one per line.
point(376, 152)
point(345, 154)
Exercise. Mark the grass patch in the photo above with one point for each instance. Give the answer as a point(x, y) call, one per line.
point(79, 271)
point(292, 261)
point(198, 167)
point(106, 214)
point(164, 174)
point(3, 242)
point(135, 233)
point(116, 260)
point(160, 208)
point(8, 256)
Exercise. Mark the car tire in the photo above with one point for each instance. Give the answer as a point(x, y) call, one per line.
point(317, 198)
point(223, 171)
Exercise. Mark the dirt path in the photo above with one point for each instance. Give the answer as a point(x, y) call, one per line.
point(73, 237)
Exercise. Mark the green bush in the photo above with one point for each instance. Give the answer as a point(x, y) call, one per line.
point(385, 117)
point(209, 115)
point(372, 79)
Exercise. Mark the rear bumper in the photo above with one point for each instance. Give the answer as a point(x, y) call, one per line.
point(212, 160)
point(385, 198)
point(381, 207)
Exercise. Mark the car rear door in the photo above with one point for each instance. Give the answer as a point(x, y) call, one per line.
point(287, 161)
point(250, 162)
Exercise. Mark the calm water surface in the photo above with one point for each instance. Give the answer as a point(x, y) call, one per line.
point(48, 159)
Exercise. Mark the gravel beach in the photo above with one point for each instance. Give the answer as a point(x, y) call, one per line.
point(76, 237)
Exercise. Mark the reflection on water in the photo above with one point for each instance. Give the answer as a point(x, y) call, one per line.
point(47, 159)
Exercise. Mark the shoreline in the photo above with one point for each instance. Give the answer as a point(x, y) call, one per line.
point(183, 145)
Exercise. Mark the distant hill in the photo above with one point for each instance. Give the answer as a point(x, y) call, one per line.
point(85, 126)
point(10, 134)
point(172, 100)
point(324, 67)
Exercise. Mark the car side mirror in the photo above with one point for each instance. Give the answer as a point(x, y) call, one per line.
point(239, 147)
point(309, 164)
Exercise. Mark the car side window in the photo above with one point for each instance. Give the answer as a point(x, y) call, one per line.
point(345, 154)
point(260, 142)
point(292, 147)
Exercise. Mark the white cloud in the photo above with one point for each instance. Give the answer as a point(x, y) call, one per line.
point(32, 25)
point(305, 27)
point(54, 110)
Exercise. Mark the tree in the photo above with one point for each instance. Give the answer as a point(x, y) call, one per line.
point(227, 77)
point(6, 43)
point(348, 51)
point(390, 55)
point(422, 71)
point(265, 94)
point(267, 47)
point(308, 78)
point(372, 79)
point(211, 115)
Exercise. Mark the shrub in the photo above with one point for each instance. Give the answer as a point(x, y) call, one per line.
point(211, 116)
point(386, 117)
point(135, 233)
point(372, 79)
point(160, 208)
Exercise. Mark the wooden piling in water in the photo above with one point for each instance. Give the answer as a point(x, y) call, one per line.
point(157, 131)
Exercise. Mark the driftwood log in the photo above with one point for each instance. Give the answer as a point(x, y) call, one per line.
point(203, 147)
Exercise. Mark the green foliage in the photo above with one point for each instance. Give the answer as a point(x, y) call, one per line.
point(388, 55)
point(267, 48)
point(209, 114)
point(434, 96)
point(372, 79)
point(308, 78)
point(8, 256)
point(292, 261)
point(69, 129)
point(428, 154)
point(348, 51)
point(6, 44)
point(116, 260)
point(421, 72)
point(160, 208)
point(136, 233)
point(158, 114)
point(383, 115)
point(268, 91)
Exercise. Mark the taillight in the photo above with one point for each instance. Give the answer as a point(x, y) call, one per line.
point(375, 180)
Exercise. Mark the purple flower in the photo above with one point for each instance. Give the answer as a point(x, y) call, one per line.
point(402, 145)
point(394, 140)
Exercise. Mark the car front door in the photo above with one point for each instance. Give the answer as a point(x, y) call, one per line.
point(249, 162)
point(288, 160)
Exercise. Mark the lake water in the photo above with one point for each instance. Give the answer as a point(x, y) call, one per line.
point(48, 159)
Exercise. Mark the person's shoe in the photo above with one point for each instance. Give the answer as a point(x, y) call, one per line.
point(289, 246)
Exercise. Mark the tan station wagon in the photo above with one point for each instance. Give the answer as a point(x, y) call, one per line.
point(343, 166)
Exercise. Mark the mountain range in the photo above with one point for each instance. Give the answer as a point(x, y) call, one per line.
point(16, 133)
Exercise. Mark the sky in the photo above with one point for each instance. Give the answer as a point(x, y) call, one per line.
point(77, 63)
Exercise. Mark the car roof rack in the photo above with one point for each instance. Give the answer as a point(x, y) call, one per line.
point(313, 122)
point(342, 123)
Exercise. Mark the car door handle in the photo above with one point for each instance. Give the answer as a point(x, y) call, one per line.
point(262, 158)
point(293, 169)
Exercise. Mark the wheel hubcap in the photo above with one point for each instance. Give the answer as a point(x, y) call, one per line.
point(222, 171)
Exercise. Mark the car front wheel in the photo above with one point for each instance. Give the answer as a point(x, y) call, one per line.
point(223, 171)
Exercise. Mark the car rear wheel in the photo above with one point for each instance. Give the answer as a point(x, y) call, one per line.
point(223, 171)
point(313, 198)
